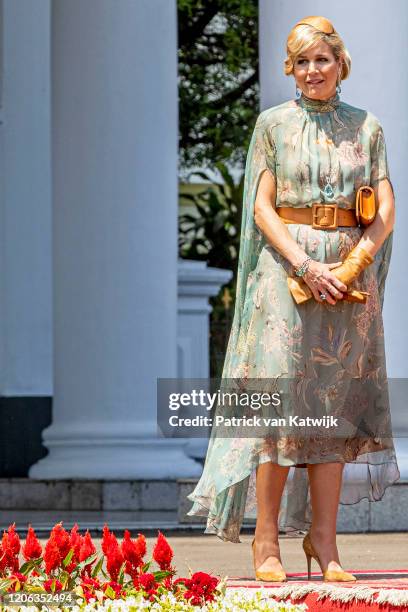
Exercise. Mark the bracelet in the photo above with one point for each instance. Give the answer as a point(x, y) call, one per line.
point(303, 268)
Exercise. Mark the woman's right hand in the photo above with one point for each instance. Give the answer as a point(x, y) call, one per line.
point(320, 280)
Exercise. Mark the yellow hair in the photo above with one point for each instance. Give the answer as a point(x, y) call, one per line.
point(309, 31)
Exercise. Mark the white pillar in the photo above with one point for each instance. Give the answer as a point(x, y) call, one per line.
point(196, 283)
point(376, 85)
point(25, 201)
point(115, 136)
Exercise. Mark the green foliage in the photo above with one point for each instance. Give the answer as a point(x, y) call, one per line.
point(213, 233)
point(218, 79)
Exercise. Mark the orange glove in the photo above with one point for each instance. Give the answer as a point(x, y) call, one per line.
point(356, 261)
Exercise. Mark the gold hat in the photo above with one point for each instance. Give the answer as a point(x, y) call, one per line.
point(318, 22)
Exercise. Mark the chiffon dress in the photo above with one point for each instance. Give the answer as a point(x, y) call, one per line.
point(317, 151)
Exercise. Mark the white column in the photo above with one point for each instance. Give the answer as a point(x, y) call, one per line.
point(114, 138)
point(196, 283)
point(376, 85)
point(25, 201)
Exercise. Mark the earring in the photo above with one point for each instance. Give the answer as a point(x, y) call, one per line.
point(338, 86)
point(298, 92)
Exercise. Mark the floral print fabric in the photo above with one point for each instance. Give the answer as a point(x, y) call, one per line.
point(317, 151)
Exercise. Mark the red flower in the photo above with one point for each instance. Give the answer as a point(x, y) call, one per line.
point(162, 552)
point(61, 538)
point(48, 585)
point(113, 553)
point(9, 549)
point(149, 584)
point(52, 555)
point(200, 588)
point(57, 548)
point(114, 561)
point(147, 581)
point(87, 548)
point(13, 540)
point(108, 540)
point(32, 548)
point(141, 544)
point(133, 551)
point(75, 541)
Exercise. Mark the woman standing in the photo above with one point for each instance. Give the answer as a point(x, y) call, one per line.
point(300, 237)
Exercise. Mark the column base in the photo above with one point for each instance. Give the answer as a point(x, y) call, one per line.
point(112, 455)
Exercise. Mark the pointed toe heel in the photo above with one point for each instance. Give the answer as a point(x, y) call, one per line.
point(328, 575)
point(267, 576)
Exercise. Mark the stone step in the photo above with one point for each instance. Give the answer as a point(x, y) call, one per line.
point(147, 523)
point(154, 504)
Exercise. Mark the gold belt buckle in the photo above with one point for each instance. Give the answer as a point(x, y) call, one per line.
point(326, 219)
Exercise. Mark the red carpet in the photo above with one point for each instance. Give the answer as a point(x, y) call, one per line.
point(375, 590)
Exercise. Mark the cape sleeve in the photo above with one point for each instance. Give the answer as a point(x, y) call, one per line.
point(261, 156)
point(261, 153)
point(378, 154)
point(380, 171)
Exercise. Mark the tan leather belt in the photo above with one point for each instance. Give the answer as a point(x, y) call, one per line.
point(320, 215)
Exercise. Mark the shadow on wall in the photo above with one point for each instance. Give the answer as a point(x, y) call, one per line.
point(22, 419)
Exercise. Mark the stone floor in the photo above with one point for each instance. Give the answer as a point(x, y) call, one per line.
point(209, 553)
point(385, 551)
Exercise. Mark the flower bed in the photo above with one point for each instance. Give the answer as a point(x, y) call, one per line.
point(69, 574)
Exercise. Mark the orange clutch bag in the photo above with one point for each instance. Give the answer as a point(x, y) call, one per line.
point(365, 205)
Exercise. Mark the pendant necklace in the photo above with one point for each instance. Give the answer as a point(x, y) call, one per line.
point(328, 189)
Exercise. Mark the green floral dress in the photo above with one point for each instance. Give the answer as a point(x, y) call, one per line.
point(317, 151)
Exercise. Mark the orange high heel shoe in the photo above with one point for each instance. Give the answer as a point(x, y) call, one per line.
point(328, 575)
point(268, 576)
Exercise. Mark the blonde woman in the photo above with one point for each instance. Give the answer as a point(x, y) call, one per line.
point(300, 239)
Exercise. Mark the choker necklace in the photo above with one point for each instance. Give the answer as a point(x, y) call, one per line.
point(319, 106)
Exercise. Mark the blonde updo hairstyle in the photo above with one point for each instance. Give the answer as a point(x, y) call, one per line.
point(309, 31)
